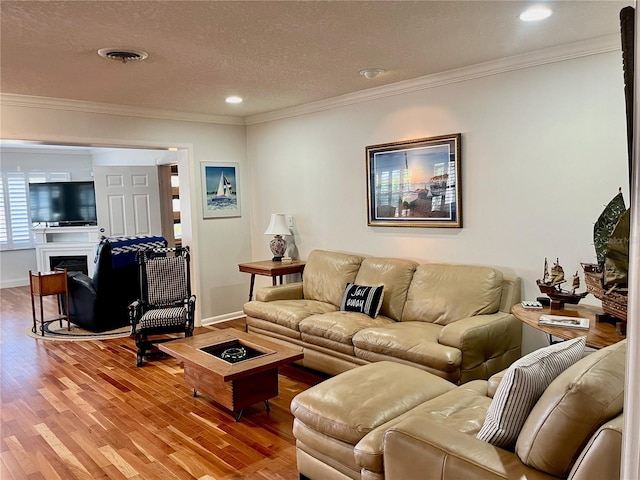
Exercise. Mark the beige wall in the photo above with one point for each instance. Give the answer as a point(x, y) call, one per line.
point(544, 149)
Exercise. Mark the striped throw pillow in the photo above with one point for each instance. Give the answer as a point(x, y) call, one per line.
point(359, 298)
point(521, 387)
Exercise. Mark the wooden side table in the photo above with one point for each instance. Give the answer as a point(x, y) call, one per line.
point(271, 269)
point(599, 335)
point(45, 284)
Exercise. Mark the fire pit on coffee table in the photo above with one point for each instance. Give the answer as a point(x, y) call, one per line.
point(233, 351)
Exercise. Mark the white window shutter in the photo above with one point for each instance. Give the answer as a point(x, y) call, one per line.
point(4, 239)
point(18, 209)
point(15, 218)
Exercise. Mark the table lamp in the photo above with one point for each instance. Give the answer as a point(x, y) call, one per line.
point(278, 227)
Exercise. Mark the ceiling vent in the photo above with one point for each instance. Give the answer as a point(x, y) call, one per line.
point(122, 55)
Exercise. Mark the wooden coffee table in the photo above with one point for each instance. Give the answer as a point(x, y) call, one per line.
point(232, 385)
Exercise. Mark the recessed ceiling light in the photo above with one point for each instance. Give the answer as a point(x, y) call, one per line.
point(370, 73)
point(233, 99)
point(534, 14)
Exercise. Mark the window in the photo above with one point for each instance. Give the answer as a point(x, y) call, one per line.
point(15, 223)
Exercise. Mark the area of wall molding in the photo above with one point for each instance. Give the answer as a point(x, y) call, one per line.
point(560, 53)
point(570, 51)
point(9, 99)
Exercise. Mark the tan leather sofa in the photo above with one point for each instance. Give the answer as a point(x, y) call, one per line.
point(390, 421)
point(450, 320)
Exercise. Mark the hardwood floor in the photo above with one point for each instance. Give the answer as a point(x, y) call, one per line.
point(83, 410)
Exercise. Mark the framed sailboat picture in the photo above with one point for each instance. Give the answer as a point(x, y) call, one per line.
point(415, 183)
point(220, 190)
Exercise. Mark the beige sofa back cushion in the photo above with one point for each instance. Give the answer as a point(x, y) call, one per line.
point(571, 409)
point(442, 294)
point(326, 275)
point(395, 274)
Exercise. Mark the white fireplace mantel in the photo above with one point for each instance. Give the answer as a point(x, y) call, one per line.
point(65, 241)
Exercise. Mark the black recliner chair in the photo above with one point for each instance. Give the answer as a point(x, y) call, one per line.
point(101, 303)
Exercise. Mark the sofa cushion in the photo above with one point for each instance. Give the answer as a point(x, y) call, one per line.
point(288, 313)
point(395, 274)
point(348, 406)
point(415, 342)
point(571, 409)
point(336, 330)
point(523, 383)
point(362, 299)
point(327, 273)
point(461, 409)
point(445, 293)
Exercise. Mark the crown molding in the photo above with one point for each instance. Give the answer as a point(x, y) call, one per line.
point(45, 150)
point(29, 101)
point(560, 53)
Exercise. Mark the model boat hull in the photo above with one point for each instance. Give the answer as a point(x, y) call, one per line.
point(560, 297)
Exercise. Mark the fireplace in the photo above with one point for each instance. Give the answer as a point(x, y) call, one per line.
point(73, 248)
point(73, 263)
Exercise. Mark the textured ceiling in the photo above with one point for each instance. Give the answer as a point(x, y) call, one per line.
point(275, 54)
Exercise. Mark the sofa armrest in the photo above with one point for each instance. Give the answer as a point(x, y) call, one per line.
point(82, 295)
point(482, 338)
point(494, 381)
point(79, 281)
point(418, 447)
point(601, 457)
point(288, 291)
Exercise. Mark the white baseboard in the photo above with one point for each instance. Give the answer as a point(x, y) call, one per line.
point(222, 318)
point(18, 282)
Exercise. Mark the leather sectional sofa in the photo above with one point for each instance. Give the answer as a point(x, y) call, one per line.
point(450, 320)
point(394, 422)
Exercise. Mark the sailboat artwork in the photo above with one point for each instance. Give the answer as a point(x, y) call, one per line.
point(551, 282)
point(225, 190)
point(221, 187)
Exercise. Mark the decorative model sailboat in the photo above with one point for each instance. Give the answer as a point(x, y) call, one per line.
point(550, 285)
point(607, 279)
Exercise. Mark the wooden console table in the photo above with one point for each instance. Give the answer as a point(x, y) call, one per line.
point(271, 269)
point(45, 284)
point(599, 335)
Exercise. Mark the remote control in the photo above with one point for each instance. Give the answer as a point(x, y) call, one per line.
point(531, 304)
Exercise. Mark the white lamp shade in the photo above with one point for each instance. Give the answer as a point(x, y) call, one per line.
point(278, 225)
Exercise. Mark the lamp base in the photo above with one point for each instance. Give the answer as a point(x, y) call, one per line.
point(278, 246)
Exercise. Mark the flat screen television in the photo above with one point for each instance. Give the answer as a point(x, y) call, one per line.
point(63, 203)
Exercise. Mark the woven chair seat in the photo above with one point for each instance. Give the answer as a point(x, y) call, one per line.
point(163, 317)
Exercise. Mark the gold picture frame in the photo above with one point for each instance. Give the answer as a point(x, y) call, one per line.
point(415, 183)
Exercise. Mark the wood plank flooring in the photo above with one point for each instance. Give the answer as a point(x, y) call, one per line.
point(83, 410)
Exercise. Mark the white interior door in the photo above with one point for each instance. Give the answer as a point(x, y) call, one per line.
point(128, 200)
